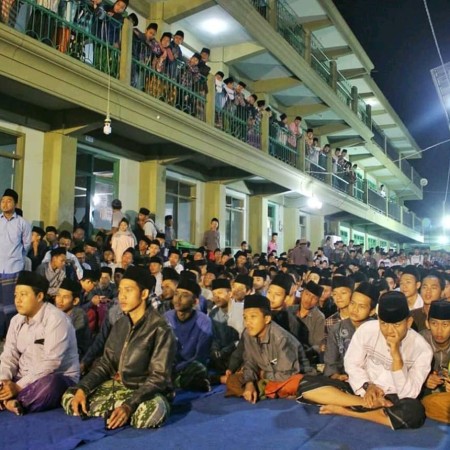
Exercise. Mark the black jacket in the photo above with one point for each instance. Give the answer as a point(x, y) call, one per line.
point(143, 355)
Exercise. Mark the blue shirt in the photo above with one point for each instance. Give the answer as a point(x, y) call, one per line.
point(15, 241)
point(194, 337)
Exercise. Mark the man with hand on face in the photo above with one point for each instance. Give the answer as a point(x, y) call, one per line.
point(387, 363)
point(131, 381)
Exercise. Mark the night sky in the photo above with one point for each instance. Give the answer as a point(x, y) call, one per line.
point(397, 37)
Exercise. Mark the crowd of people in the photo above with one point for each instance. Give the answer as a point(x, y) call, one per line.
point(114, 325)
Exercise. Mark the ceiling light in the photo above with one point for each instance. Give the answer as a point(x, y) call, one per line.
point(214, 26)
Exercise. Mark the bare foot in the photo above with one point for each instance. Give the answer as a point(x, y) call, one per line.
point(332, 409)
point(14, 406)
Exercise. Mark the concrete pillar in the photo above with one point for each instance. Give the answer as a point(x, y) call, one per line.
point(258, 237)
point(265, 132)
point(301, 153)
point(215, 206)
point(273, 13)
point(316, 231)
point(210, 110)
point(329, 174)
point(369, 115)
point(334, 227)
point(290, 227)
point(156, 15)
point(126, 40)
point(308, 45)
point(152, 188)
point(58, 180)
point(355, 99)
point(334, 75)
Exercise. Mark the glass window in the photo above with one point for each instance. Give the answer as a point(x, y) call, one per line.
point(180, 204)
point(371, 242)
point(234, 227)
point(96, 185)
point(358, 238)
point(7, 161)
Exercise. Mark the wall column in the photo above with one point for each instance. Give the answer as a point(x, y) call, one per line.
point(316, 231)
point(152, 189)
point(258, 224)
point(290, 228)
point(58, 180)
point(214, 206)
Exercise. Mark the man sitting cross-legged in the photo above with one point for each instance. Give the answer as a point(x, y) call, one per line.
point(437, 394)
point(271, 356)
point(40, 358)
point(132, 378)
point(387, 364)
point(193, 331)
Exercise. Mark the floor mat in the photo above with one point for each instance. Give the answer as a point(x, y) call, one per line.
point(210, 421)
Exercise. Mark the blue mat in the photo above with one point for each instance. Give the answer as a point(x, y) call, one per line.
point(210, 421)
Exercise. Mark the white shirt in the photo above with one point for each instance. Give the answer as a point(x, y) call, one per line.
point(368, 359)
point(179, 267)
point(158, 286)
point(418, 303)
point(150, 229)
point(236, 316)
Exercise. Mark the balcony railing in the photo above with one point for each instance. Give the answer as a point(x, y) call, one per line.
point(394, 211)
point(376, 201)
point(95, 41)
point(175, 84)
point(407, 218)
point(283, 145)
point(91, 36)
point(239, 122)
point(289, 27)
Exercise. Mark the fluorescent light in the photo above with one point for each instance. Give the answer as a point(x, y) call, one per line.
point(214, 26)
point(446, 222)
point(443, 240)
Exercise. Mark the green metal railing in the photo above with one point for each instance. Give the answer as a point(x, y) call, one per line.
point(238, 121)
point(283, 145)
point(76, 29)
point(177, 85)
point(262, 7)
point(289, 27)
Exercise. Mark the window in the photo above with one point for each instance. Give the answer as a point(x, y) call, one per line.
point(271, 220)
point(96, 185)
point(371, 242)
point(302, 221)
point(235, 221)
point(180, 204)
point(8, 161)
point(343, 232)
point(358, 238)
point(384, 245)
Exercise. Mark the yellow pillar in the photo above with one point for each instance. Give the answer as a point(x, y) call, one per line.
point(214, 206)
point(211, 100)
point(156, 15)
point(152, 189)
point(265, 132)
point(258, 236)
point(316, 231)
point(126, 40)
point(58, 180)
point(290, 227)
